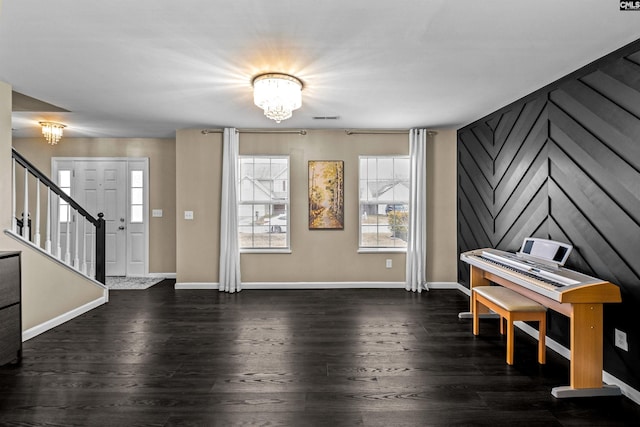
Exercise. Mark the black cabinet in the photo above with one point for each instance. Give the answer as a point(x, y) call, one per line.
point(10, 308)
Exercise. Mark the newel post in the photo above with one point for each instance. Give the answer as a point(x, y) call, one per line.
point(100, 249)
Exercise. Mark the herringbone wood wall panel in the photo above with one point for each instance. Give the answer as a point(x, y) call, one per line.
point(564, 164)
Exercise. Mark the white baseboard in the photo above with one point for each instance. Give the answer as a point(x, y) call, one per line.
point(59, 320)
point(295, 285)
point(446, 285)
point(155, 275)
point(322, 285)
point(162, 275)
point(626, 389)
point(196, 285)
point(551, 343)
point(462, 288)
point(317, 285)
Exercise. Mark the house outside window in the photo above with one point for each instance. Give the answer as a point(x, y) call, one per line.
point(263, 203)
point(384, 202)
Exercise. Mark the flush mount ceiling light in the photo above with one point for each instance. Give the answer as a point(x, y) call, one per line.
point(52, 131)
point(277, 94)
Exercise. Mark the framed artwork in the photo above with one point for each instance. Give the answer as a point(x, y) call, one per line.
point(326, 195)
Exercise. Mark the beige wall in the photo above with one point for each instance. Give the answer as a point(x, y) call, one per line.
point(162, 181)
point(442, 251)
point(48, 289)
point(198, 183)
point(185, 175)
point(317, 255)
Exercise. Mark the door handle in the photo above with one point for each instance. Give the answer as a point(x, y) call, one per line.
point(121, 227)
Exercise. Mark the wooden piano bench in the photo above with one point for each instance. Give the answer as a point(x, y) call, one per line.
point(511, 306)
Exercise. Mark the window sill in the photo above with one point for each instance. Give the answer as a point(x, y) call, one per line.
point(382, 250)
point(266, 251)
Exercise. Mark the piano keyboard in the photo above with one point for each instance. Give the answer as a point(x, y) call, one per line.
point(543, 282)
point(558, 284)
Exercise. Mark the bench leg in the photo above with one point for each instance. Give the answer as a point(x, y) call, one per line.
point(475, 306)
point(502, 322)
point(510, 339)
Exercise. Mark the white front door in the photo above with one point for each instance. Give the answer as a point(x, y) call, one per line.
point(117, 187)
point(101, 186)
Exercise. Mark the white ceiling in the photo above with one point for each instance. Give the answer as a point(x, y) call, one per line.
point(145, 68)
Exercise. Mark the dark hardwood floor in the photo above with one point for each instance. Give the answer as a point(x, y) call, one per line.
point(162, 357)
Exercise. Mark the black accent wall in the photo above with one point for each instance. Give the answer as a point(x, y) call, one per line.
point(563, 163)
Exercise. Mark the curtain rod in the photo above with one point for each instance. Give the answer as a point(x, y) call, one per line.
point(375, 131)
point(304, 131)
point(294, 131)
point(382, 132)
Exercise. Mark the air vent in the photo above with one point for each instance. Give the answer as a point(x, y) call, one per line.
point(325, 117)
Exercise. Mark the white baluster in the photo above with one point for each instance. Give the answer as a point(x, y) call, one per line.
point(84, 246)
point(47, 243)
point(58, 227)
point(14, 220)
point(25, 210)
point(36, 236)
point(76, 259)
point(92, 269)
point(67, 252)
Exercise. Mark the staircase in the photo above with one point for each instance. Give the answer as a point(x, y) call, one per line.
point(55, 224)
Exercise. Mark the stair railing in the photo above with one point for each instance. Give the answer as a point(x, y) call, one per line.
point(71, 234)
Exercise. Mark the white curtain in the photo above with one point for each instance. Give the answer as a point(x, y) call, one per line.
point(229, 249)
point(416, 275)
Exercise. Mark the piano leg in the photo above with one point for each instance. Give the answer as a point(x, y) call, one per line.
point(477, 279)
point(586, 355)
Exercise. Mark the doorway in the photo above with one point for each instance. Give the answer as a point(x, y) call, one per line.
point(117, 187)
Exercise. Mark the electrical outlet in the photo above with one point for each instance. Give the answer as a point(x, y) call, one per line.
point(621, 340)
point(389, 263)
point(188, 214)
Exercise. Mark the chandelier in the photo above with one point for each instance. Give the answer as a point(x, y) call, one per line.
point(52, 131)
point(277, 94)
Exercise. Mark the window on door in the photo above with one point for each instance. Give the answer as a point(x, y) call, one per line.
point(64, 182)
point(137, 197)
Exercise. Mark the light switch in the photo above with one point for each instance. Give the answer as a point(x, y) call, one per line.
point(156, 213)
point(188, 214)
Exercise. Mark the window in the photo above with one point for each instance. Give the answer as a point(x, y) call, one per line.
point(263, 202)
point(137, 197)
point(64, 182)
point(384, 201)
